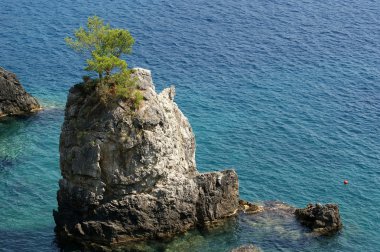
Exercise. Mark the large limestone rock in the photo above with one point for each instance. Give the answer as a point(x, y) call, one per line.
point(14, 100)
point(130, 175)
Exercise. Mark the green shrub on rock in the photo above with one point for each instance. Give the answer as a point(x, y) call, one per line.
point(103, 46)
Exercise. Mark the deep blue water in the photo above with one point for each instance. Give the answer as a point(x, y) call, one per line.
point(286, 92)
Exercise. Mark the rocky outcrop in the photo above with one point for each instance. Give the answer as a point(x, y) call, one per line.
point(322, 219)
point(131, 175)
point(14, 100)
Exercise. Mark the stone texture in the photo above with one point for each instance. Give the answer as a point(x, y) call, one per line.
point(131, 175)
point(247, 248)
point(323, 219)
point(249, 208)
point(14, 100)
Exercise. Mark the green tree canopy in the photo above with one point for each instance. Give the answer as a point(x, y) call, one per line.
point(105, 64)
point(103, 44)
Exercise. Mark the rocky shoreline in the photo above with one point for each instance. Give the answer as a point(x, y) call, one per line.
point(131, 175)
point(14, 100)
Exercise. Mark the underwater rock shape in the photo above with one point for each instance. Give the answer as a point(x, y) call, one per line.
point(247, 248)
point(322, 219)
point(14, 100)
point(131, 175)
point(249, 208)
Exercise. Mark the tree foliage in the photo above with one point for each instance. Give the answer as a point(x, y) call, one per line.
point(103, 46)
point(105, 64)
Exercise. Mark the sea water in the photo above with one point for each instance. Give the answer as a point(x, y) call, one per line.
point(285, 92)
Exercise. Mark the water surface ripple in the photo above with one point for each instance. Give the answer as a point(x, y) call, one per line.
point(287, 93)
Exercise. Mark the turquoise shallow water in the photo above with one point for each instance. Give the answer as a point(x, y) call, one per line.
point(286, 93)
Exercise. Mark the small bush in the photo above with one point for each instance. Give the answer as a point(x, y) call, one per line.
point(119, 86)
point(104, 46)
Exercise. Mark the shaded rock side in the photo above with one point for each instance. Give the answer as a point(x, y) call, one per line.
point(131, 175)
point(14, 100)
point(323, 219)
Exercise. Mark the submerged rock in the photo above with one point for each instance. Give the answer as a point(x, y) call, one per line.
point(249, 208)
point(247, 248)
point(131, 175)
point(14, 100)
point(323, 219)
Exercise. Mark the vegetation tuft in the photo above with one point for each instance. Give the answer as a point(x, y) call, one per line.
point(103, 46)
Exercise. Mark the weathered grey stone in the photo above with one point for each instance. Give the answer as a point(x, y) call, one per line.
point(247, 248)
point(131, 175)
point(322, 219)
point(14, 100)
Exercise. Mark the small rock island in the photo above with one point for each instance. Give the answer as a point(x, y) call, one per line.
point(321, 219)
point(14, 100)
point(131, 175)
point(127, 159)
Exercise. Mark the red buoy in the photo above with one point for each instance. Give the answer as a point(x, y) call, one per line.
point(345, 182)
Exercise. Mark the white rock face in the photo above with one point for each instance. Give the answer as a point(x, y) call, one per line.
point(131, 174)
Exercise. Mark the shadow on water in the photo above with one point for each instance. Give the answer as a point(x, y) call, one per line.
point(28, 240)
point(17, 133)
point(6, 163)
point(11, 125)
point(11, 140)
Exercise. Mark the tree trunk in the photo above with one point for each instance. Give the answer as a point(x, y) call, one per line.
point(108, 72)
